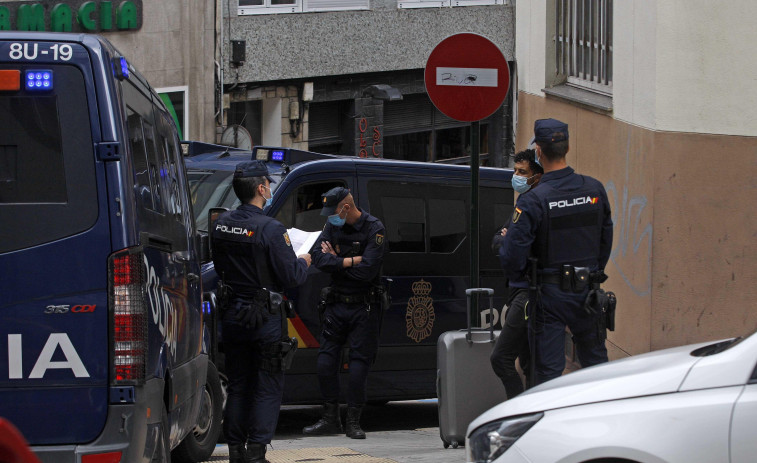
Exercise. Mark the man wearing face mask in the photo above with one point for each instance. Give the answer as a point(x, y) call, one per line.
point(351, 248)
point(253, 256)
point(565, 225)
point(513, 340)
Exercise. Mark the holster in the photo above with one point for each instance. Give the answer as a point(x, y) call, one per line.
point(224, 293)
point(323, 301)
point(288, 349)
point(610, 312)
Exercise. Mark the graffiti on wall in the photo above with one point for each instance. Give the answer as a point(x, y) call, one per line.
point(375, 146)
point(632, 233)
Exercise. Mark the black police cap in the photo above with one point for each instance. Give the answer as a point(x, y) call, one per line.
point(253, 169)
point(331, 199)
point(549, 131)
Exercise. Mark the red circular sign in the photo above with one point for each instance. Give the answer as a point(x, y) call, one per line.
point(467, 77)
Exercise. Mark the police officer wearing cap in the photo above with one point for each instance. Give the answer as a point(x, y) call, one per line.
point(565, 224)
point(253, 256)
point(351, 248)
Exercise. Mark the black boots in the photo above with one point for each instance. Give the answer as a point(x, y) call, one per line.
point(237, 453)
point(330, 422)
point(255, 453)
point(353, 423)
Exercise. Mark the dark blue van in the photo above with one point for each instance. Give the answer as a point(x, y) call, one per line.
point(425, 208)
point(103, 350)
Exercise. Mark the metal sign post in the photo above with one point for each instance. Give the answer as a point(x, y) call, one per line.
point(467, 78)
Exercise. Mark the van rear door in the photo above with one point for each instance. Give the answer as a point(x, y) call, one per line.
point(54, 244)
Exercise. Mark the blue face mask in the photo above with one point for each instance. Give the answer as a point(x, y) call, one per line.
point(536, 158)
point(268, 201)
point(520, 184)
point(337, 221)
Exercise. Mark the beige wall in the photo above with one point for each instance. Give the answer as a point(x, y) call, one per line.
point(684, 258)
point(174, 48)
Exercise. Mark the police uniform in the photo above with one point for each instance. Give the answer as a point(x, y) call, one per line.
point(512, 342)
point(351, 313)
point(566, 224)
point(253, 256)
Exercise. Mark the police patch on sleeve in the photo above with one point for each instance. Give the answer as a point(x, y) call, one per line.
point(379, 239)
point(516, 215)
point(286, 238)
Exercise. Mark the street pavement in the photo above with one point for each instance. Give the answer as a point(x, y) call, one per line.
point(398, 432)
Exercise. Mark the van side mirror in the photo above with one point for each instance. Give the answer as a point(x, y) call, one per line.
point(204, 241)
point(213, 214)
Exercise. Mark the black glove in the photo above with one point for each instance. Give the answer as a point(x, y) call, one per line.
point(250, 316)
point(497, 242)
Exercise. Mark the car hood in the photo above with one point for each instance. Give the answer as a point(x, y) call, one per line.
point(658, 372)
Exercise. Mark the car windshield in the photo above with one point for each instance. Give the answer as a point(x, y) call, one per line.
point(212, 188)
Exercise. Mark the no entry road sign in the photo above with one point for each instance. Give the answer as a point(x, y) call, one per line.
point(467, 77)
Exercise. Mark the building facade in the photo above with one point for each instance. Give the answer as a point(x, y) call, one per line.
point(346, 76)
point(661, 102)
point(171, 42)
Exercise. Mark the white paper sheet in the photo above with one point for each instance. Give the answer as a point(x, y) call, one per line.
point(302, 240)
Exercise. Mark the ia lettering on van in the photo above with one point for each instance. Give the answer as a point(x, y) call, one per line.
point(161, 307)
point(45, 359)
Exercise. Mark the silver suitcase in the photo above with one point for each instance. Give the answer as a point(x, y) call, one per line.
point(466, 384)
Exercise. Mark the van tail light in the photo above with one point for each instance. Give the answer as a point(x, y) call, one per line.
point(128, 310)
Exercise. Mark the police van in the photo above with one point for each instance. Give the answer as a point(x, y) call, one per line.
point(425, 208)
point(103, 346)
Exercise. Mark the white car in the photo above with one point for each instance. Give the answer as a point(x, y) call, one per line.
point(695, 403)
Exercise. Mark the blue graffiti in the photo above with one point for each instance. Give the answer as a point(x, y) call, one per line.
point(627, 220)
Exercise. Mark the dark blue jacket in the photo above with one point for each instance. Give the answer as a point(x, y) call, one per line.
point(253, 251)
point(566, 220)
point(365, 238)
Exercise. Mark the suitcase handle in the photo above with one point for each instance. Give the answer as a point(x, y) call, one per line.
point(477, 291)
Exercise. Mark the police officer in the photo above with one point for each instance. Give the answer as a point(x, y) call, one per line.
point(565, 224)
point(351, 248)
point(513, 340)
point(253, 256)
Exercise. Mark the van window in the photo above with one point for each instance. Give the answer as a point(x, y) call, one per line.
point(153, 178)
point(47, 164)
point(302, 209)
point(421, 217)
point(405, 223)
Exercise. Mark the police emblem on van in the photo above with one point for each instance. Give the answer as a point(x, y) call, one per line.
point(420, 314)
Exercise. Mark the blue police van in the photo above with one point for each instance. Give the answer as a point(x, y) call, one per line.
point(103, 345)
point(425, 208)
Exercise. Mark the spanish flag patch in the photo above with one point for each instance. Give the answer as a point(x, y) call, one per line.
point(516, 215)
point(288, 241)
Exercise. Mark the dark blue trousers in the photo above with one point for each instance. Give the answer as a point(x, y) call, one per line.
point(512, 343)
point(254, 395)
point(354, 325)
point(558, 309)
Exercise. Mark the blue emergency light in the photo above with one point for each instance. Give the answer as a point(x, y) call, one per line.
point(39, 80)
point(120, 68)
point(277, 155)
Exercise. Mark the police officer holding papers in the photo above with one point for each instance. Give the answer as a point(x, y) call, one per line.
point(565, 224)
point(253, 256)
point(351, 248)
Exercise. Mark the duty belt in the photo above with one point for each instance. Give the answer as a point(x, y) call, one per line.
point(351, 298)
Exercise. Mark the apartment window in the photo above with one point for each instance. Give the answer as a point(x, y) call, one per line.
point(298, 6)
point(444, 3)
point(583, 48)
